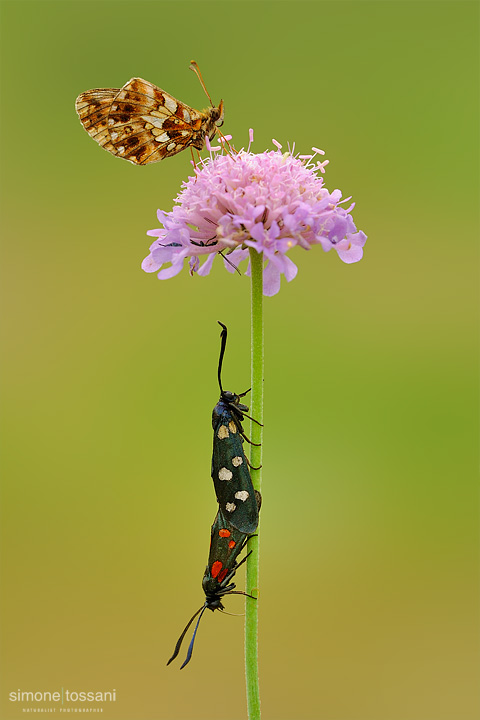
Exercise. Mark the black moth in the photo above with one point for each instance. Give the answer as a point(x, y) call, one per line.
point(226, 545)
point(239, 504)
point(230, 473)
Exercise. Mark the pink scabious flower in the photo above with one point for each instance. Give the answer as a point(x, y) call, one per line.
point(270, 201)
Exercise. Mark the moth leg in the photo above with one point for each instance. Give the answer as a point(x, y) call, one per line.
point(239, 592)
point(248, 439)
point(252, 467)
point(253, 419)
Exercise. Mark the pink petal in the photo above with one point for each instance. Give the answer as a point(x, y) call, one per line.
point(350, 255)
point(271, 279)
point(174, 269)
point(290, 270)
point(207, 265)
point(150, 265)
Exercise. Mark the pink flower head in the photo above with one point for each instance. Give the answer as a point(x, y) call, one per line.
point(271, 201)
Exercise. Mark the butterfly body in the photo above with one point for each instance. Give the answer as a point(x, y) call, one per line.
point(144, 124)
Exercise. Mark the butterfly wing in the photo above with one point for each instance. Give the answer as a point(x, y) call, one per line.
point(140, 122)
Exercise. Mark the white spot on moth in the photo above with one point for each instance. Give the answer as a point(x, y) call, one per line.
point(111, 122)
point(114, 135)
point(222, 432)
point(171, 146)
point(232, 426)
point(225, 474)
point(237, 461)
point(186, 116)
point(121, 149)
point(242, 495)
point(230, 507)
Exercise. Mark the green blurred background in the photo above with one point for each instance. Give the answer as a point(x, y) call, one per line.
point(369, 596)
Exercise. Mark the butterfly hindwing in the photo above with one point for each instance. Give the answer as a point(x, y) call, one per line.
point(93, 108)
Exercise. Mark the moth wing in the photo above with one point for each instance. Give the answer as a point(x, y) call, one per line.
point(232, 481)
point(226, 540)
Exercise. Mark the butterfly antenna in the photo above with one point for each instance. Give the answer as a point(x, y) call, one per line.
point(196, 70)
point(222, 353)
point(180, 639)
point(190, 647)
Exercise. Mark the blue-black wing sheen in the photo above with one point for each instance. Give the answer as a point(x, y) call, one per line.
point(230, 473)
point(226, 544)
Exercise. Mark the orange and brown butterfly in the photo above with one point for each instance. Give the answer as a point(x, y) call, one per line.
point(143, 124)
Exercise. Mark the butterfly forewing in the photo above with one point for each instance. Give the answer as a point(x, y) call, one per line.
point(142, 123)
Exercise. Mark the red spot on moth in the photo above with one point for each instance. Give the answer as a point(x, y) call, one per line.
point(216, 567)
point(224, 533)
point(232, 544)
point(222, 574)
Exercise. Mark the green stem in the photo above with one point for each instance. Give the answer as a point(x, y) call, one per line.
point(256, 435)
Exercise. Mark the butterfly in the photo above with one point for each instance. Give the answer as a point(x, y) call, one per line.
point(143, 124)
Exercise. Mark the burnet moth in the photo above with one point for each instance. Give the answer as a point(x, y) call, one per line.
point(226, 545)
point(230, 473)
point(239, 504)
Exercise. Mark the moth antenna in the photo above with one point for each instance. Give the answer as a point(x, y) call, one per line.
point(190, 647)
point(224, 612)
point(180, 639)
point(196, 70)
point(222, 353)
